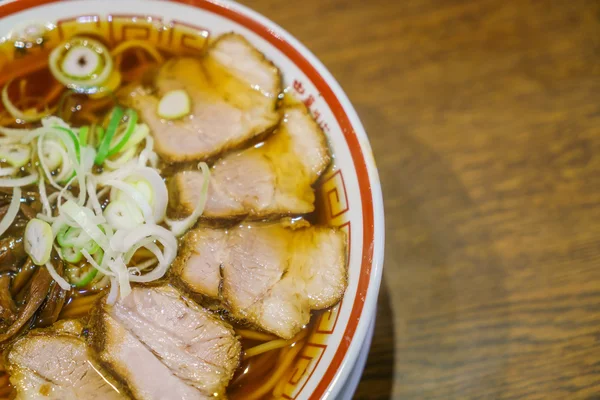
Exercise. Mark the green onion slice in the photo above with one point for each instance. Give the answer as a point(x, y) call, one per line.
point(113, 124)
point(81, 64)
point(81, 276)
point(84, 132)
point(71, 254)
point(38, 240)
point(132, 118)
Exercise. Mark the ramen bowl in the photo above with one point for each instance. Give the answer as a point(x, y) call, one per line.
point(348, 194)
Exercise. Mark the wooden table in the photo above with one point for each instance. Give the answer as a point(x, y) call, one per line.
point(484, 116)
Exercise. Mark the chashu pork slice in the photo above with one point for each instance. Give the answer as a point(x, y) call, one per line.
point(163, 346)
point(50, 364)
point(234, 92)
point(269, 275)
point(273, 179)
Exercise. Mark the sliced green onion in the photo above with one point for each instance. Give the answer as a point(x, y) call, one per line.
point(77, 213)
point(71, 142)
point(64, 285)
point(17, 182)
point(74, 139)
point(132, 117)
point(44, 197)
point(16, 154)
point(87, 77)
point(81, 276)
point(13, 210)
point(139, 133)
point(137, 197)
point(67, 235)
point(38, 241)
point(96, 260)
point(98, 256)
point(121, 214)
point(8, 171)
point(83, 135)
point(71, 254)
point(123, 158)
point(99, 134)
point(174, 104)
point(113, 124)
point(53, 155)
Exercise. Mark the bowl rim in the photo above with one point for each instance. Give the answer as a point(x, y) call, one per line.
point(362, 157)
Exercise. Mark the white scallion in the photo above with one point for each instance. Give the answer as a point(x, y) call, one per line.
point(38, 240)
point(13, 210)
point(174, 105)
point(18, 182)
point(64, 285)
point(15, 154)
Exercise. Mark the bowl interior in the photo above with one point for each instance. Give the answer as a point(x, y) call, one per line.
point(348, 193)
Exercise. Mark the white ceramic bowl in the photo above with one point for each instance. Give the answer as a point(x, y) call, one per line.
point(350, 191)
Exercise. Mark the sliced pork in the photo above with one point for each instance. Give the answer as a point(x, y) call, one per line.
point(273, 179)
point(49, 364)
point(234, 91)
point(269, 275)
point(164, 346)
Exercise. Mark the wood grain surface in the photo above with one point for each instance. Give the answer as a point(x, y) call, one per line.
point(484, 116)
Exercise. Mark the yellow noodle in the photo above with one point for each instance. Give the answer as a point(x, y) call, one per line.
point(254, 335)
point(22, 88)
point(54, 93)
point(75, 312)
point(79, 306)
point(273, 345)
point(278, 391)
point(139, 44)
point(276, 375)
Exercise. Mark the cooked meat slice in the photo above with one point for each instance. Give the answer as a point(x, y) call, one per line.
point(266, 274)
point(48, 365)
point(234, 91)
point(273, 179)
point(164, 346)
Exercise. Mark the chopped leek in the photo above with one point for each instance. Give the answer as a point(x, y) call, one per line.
point(81, 276)
point(81, 64)
point(131, 123)
point(16, 155)
point(83, 135)
point(71, 254)
point(38, 241)
point(13, 210)
point(174, 105)
point(113, 124)
point(121, 214)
